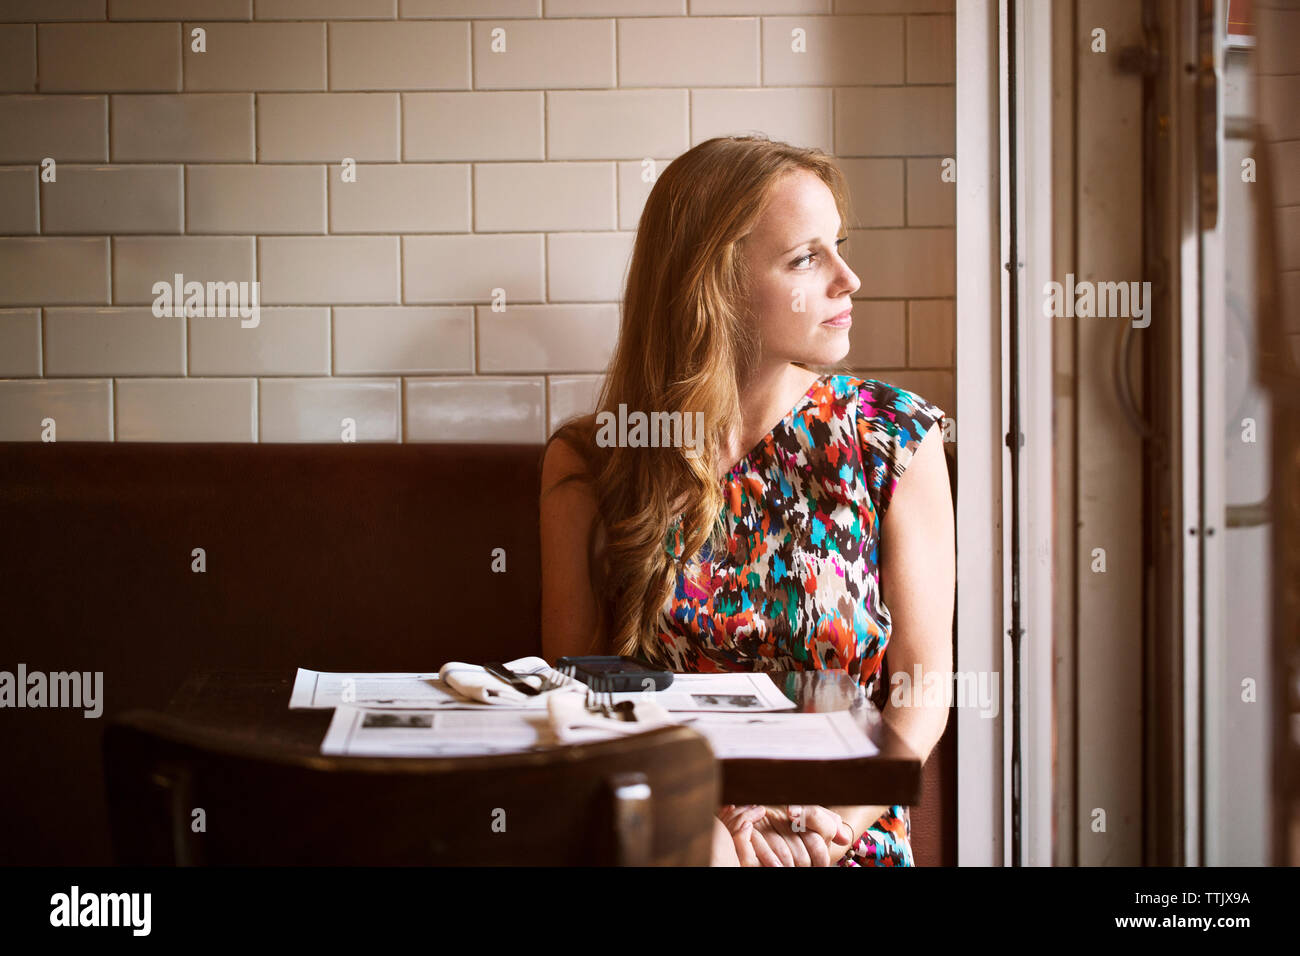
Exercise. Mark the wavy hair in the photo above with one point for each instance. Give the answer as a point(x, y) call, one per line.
point(686, 343)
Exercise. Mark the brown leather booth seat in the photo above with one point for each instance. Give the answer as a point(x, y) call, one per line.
point(361, 557)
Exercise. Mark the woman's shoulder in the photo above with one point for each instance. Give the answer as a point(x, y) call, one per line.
point(560, 460)
point(891, 422)
point(568, 498)
point(882, 407)
point(568, 451)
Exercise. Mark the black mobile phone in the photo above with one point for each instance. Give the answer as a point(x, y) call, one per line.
point(619, 674)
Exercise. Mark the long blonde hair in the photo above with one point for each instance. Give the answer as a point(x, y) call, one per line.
point(685, 344)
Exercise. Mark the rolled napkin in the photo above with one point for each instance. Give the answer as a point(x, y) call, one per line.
point(573, 724)
point(473, 682)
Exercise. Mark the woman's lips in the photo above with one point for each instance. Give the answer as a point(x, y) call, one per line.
point(841, 321)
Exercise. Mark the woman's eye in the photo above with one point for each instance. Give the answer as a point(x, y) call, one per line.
point(812, 255)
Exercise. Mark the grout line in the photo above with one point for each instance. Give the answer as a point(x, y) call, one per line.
point(618, 73)
point(904, 19)
point(473, 340)
point(907, 333)
point(546, 407)
point(907, 208)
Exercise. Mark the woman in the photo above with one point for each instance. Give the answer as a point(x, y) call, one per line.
point(773, 542)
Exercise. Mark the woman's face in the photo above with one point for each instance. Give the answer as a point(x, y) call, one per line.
point(799, 281)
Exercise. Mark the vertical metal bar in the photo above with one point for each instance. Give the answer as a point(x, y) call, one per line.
point(1014, 439)
point(1211, 22)
point(1189, 293)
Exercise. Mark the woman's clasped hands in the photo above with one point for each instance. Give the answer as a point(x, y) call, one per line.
point(791, 835)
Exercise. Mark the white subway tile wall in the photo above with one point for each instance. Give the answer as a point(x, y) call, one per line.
point(430, 204)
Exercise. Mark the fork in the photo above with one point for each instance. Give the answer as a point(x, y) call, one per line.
point(600, 700)
point(560, 677)
point(557, 678)
point(553, 680)
point(596, 703)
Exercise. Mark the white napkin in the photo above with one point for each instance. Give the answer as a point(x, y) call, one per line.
point(473, 682)
point(572, 724)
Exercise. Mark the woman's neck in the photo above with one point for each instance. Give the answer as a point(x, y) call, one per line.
point(766, 397)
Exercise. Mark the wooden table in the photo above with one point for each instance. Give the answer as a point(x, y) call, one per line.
point(254, 706)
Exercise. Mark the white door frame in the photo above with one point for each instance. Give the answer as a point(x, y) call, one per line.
point(980, 788)
point(983, 385)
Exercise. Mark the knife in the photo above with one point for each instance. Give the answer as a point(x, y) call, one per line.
point(499, 670)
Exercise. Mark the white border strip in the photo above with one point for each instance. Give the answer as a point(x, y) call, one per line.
point(980, 824)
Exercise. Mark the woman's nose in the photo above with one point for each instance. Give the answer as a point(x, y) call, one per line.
point(848, 282)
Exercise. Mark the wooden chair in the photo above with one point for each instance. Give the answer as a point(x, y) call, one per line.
point(643, 800)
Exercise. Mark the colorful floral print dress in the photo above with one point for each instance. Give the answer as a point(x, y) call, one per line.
point(799, 585)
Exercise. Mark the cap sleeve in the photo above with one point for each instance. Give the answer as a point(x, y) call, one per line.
point(891, 424)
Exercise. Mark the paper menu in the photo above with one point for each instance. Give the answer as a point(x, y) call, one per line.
point(323, 689)
point(720, 693)
point(356, 731)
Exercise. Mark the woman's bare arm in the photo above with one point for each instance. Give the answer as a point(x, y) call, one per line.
point(917, 578)
point(570, 617)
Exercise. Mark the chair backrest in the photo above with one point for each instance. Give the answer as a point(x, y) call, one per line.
point(365, 557)
point(184, 795)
